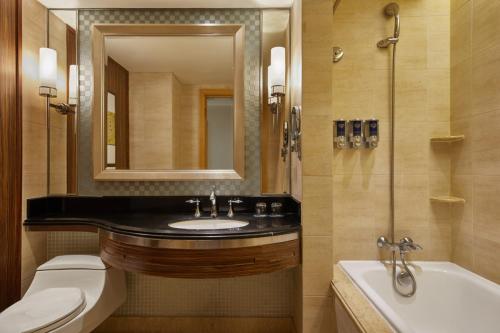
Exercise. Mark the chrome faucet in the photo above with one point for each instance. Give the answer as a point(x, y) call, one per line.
point(405, 276)
point(213, 203)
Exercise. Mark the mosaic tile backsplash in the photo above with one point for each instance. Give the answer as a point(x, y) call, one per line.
point(251, 19)
point(267, 295)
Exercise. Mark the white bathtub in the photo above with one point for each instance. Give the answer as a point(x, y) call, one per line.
point(448, 299)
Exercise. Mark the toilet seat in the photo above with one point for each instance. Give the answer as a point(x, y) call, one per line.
point(43, 311)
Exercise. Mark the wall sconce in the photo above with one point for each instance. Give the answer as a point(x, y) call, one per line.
point(276, 78)
point(47, 75)
point(47, 71)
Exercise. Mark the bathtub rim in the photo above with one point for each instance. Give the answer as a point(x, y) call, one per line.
point(384, 310)
point(365, 316)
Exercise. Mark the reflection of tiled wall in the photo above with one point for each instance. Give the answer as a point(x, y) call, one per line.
point(268, 295)
point(251, 19)
point(475, 112)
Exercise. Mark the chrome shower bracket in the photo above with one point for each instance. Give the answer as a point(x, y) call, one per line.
point(338, 54)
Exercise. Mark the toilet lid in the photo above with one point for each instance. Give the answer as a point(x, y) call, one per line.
point(43, 311)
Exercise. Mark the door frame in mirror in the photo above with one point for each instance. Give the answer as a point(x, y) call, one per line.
point(99, 32)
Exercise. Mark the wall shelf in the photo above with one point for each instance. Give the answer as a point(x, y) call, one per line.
point(448, 138)
point(447, 199)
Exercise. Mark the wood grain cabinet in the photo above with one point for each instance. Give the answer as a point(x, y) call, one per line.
point(200, 259)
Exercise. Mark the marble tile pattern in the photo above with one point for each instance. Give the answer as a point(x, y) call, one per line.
point(475, 112)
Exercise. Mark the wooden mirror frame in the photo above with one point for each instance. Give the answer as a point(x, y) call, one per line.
point(99, 32)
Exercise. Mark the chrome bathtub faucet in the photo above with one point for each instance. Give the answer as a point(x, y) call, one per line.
point(405, 277)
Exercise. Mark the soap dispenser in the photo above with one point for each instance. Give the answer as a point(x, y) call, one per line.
point(340, 139)
point(356, 133)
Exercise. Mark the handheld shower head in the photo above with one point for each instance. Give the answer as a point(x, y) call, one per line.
point(391, 10)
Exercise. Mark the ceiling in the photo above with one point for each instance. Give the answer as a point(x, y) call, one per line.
point(193, 59)
point(167, 3)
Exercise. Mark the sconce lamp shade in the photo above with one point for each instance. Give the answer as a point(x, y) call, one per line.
point(278, 63)
point(47, 72)
point(73, 85)
point(269, 78)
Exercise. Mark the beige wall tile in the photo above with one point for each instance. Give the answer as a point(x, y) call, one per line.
point(485, 79)
point(461, 34)
point(486, 261)
point(457, 4)
point(317, 139)
point(317, 206)
point(317, 265)
point(485, 28)
point(461, 89)
point(475, 102)
point(318, 313)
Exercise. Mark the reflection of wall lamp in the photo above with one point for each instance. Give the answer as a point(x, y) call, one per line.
point(276, 79)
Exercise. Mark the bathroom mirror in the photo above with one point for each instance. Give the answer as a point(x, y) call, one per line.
point(168, 102)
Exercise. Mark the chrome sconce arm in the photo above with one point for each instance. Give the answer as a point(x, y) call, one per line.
point(63, 108)
point(277, 96)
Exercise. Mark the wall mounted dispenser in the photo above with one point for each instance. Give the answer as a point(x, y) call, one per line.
point(371, 129)
point(340, 139)
point(356, 133)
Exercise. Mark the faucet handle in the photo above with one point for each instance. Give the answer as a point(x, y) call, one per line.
point(406, 244)
point(196, 201)
point(230, 212)
point(235, 201)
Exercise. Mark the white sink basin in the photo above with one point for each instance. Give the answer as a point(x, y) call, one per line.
point(207, 224)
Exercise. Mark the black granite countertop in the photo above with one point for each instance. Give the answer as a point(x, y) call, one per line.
point(151, 216)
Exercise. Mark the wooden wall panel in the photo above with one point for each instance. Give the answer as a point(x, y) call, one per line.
point(117, 83)
point(10, 152)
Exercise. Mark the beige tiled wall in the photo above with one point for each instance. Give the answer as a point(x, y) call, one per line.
point(361, 89)
point(475, 112)
point(34, 244)
point(34, 139)
point(151, 113)
point(317, 261)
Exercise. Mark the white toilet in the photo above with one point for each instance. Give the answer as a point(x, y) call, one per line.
point(69, 294)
